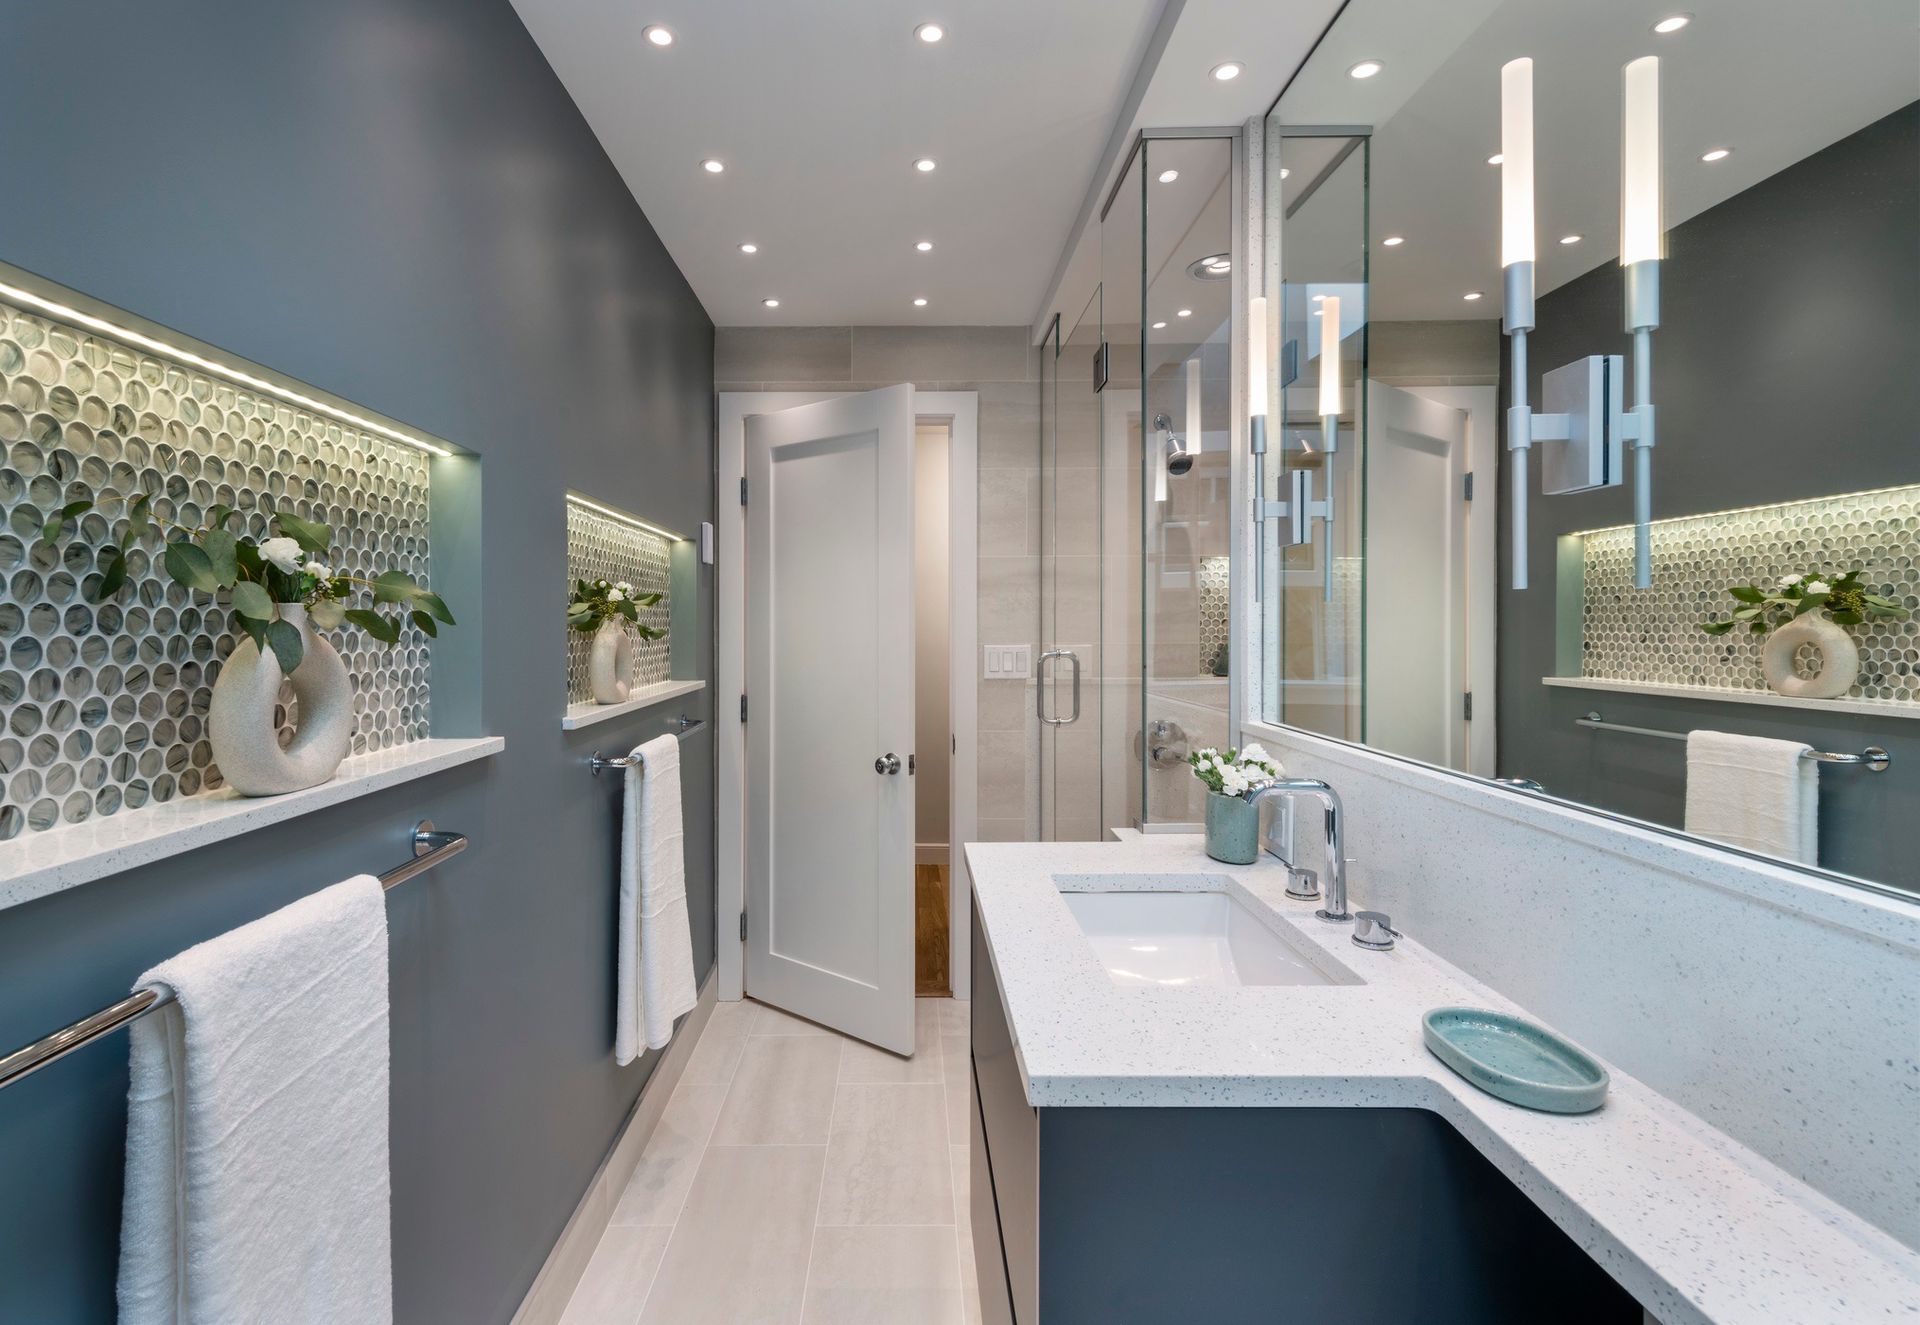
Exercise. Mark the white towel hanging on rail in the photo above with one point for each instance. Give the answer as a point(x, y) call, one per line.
point(1754, 792)
point(655, 976)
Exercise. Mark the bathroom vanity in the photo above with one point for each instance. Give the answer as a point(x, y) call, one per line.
point(1196, 1101)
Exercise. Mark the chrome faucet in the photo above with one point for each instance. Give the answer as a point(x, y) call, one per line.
point(1335, 905)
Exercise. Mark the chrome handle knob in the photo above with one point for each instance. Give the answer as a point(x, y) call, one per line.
point(1373, 929)
point(1302, 885)
point(887, 763)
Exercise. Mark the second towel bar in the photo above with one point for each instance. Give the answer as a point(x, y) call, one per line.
point(598, 761)
point(1873, 758)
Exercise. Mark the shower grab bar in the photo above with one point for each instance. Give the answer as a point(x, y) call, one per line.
point(1040, 690)
point(598, 761)
point(430, 848)
point(1873, 758)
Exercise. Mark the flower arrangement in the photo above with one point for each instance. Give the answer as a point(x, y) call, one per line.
point(1234, 772)
point(593, 603)
point(260, 577)
point(1843, 599)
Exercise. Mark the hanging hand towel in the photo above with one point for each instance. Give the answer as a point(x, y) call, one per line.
point(1756, 793)
point(656, 942)
point(257, 1179)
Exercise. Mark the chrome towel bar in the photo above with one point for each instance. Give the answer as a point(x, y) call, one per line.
point(598, 761)
point(1873, 757)
point(430, 847)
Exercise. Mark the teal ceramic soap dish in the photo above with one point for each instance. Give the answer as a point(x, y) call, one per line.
point(1515, 1060)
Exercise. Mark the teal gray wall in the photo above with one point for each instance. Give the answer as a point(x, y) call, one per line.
point(394, 200)
point(1784, 368)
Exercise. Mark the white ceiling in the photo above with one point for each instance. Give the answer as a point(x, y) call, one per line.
point(1774, 80)
point(818, 112)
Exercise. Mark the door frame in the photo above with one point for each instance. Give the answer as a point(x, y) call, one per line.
point(960, 410)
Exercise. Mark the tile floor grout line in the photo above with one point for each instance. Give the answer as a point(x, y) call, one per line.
point(819, 1198)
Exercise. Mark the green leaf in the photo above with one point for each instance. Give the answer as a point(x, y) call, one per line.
point(217, 516)
point(249, 599)
point(436, 605)
point(385, 630)
point(424, 620)
point(1747, 593)
point(647, 599)
point(256, 631)
point(57, 520)
point(284, 640)
point(188, 566)
point(1846, 618)
point(113, 576)
point(138, 519)
point(221, 549)
point(327, 614)
point(393, 587)
point(314, 538)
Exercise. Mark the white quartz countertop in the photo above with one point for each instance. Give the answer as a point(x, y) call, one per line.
point(1694, 1225)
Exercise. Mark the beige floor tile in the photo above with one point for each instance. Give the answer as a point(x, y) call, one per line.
point(718, 1053)
point(773, 1021)
point(614, 1286)
point(888, 1162)
point(863, 1063)
point(739, 1253)
point(659, 1184)
point(956, 1060)
point(782, 1092)
point(883, 1276)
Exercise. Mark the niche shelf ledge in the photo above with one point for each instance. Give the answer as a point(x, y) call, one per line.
point(586, 715)
point(37, 864)
point(1885, 708)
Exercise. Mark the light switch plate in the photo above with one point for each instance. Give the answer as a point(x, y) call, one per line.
point(1007, 662)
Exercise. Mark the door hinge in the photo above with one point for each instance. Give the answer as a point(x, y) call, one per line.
point(743, 708)
point(954, 742)
point(1466, 706)
point(743, 492)
point(743, 926)
point(1466, 487)
point(909, 765)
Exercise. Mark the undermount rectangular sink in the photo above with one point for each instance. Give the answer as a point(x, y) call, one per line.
point(1190, 940)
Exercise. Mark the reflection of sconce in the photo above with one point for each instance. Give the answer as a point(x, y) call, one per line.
point(1300, 510)
point(1584, 398)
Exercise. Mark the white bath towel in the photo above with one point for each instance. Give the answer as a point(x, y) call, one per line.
point(655, 979)
point(1752, 792)
point(257, 1180)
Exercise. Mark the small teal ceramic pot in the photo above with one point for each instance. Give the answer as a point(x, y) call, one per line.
point(1233, 829)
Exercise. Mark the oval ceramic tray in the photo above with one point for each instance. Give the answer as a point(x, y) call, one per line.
point(1516, 1060)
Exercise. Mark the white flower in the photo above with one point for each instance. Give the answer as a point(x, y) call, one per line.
point(1818, 586)
point(624, 587)
point(283, 553)
point(1788, 581)
point(1206, 755)
point(615, 596)
point(319, 570)
point(1253, 754)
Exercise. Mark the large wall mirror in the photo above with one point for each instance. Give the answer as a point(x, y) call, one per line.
point(1686, 239)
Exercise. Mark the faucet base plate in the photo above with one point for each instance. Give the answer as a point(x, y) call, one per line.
point(1343, 918)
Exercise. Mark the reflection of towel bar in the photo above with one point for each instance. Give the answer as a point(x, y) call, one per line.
point(598, 761)
point(1873, 756)
point(430, 847)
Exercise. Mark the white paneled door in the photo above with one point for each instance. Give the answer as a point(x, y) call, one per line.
point(830, 713)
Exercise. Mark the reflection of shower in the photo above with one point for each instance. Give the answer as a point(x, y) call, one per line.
point(1179, 458)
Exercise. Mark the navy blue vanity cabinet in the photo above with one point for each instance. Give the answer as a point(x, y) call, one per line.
point(1138, 1216)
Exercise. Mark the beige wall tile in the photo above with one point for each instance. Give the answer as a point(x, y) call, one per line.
point(739, 1254)
point(1003, 775)
point(884, 1276)
point(1009, 425)
point(942, 354)
point(1009, 507)
point(1009, 590)
point(1005, 705)
point(1004, 830)
point(790, 354)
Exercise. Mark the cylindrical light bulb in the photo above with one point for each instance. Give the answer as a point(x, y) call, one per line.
point(1516, 162)
point(1330, 357)
point(1641, 227)
point(1193, 404)
point(1257, 357)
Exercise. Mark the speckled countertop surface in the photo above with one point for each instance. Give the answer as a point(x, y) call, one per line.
point(1697, 1227)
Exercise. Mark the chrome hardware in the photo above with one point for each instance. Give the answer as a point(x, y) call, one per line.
point(1335, 910)
point(1166, 744)
point(887, 763)
point(1374, 931)
point(1040, 690)
point(1302, 885)
point(1179, 459)
point(1873, 758)
point(685, 727)
point(1521, 784)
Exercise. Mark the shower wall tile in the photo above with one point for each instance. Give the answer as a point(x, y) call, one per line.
point(815, 355)
point(1009, 425)
point(1009, 511)
point(942, 354)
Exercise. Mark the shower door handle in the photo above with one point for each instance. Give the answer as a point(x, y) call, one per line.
point(1040, 690)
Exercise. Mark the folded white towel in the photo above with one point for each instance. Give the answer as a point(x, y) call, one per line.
point(656, 942)
point(257, 1180)
point(1752, 792)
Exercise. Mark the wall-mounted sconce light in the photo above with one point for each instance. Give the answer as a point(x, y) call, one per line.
point(1584, 399)
point(1299, 510)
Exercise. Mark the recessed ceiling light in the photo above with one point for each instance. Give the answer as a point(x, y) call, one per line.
point(1471, 295)
point(1394, 241)
point(1183, 312)
point(1571, 239)
point(749, 248)
point(1717, 154)
point(920, 302)
point(711, 166)
point(1169, 176)
point(1159, 326)
point(1225, 72)
point(1672, 24)
point(1319, 298)
point(925, 246)
point(658, 35)
point(924, 164)
point(1365, 69)
point(1495, 159)
point(771, 303)
point(929, 32)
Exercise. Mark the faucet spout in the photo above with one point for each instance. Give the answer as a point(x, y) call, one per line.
point(1333, 830)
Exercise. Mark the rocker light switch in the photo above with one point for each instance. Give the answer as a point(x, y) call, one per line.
point(1007, 662)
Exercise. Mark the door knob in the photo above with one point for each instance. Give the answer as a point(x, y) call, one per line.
point(887, 763)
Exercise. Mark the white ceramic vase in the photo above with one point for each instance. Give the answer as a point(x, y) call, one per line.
point(1839, 658)
point(240, 721)
point(610, 665)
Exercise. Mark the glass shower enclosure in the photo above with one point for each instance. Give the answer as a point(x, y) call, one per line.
point(1134, 503)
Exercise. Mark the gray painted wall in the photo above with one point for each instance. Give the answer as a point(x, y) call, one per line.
point(1759, 402)
point(396, 201)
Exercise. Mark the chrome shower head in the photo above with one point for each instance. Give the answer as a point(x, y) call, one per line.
point(1179, 460)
